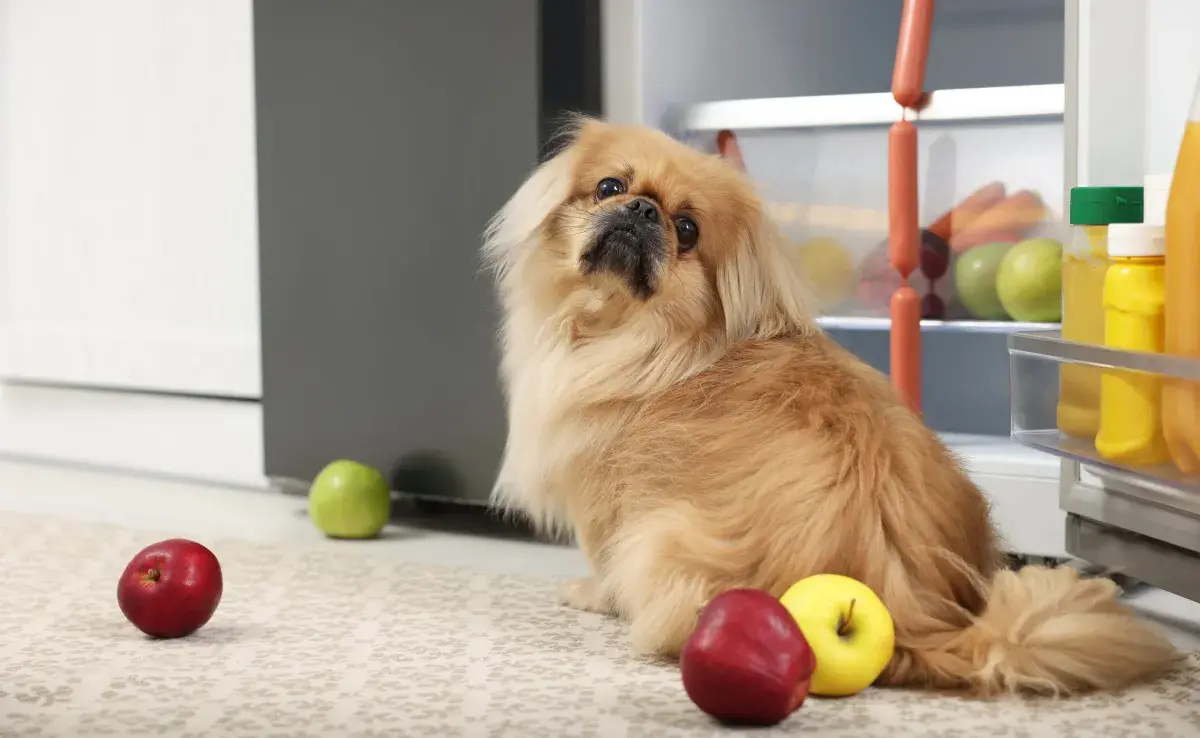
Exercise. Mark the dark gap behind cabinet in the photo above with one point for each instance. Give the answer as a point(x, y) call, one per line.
point(569, 61)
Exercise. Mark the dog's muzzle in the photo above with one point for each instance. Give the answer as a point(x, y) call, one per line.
point(629, 242)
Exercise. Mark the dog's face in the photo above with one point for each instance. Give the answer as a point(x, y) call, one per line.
point(628, 225)
point(649, 214)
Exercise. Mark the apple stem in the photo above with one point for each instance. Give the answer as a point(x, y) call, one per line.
point(151, 575)
point(844, 620)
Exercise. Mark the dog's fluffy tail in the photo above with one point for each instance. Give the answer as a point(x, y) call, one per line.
point(1042, 630)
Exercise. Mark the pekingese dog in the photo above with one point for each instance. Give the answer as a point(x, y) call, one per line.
point(674, 407)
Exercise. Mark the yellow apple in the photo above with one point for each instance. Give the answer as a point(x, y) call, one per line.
point(848, 628)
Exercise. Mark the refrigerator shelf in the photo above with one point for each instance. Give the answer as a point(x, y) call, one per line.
point(1036, 360)
point(868, 109)
point(877, 323)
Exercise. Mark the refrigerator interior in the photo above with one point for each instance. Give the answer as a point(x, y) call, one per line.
point(805, 87)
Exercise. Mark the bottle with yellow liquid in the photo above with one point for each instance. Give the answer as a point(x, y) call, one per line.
point(1085, 262)
point(1181, 398)
point(1131, 430)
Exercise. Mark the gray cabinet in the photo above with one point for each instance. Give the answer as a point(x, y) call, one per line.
point(388, 133)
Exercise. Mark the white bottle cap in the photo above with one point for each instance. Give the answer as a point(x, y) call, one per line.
point(1156, 188)
point(1136, 239)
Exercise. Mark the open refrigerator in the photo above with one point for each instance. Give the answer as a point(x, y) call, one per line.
point(1029, 99)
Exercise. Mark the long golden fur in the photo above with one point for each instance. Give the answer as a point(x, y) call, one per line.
point(703, 434)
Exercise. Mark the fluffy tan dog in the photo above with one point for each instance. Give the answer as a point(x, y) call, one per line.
point(674, 407)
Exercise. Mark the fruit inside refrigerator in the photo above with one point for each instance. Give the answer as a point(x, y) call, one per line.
point(986, 189)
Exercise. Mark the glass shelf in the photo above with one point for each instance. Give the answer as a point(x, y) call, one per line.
point(873, 323)
point(877, 108)
point(1036, 362)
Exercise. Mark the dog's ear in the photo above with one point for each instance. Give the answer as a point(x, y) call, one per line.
point(762, 295)
point(517, 224)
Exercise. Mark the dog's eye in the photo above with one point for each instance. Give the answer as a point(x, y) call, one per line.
point(608, 187)
point(688, 232)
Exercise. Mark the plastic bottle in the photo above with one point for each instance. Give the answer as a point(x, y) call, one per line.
point(1131, 402)
point(1155, 190)
point(1085, 263)
point(1181, 399)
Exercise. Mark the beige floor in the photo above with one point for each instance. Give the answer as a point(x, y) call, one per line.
point(267, 517)
point(316, 638)
point(314, 641)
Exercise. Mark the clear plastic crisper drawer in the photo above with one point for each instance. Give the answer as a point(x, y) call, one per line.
point(1053, 380)
point(985, 185)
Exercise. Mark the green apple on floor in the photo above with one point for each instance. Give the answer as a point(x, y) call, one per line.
point(349, 500)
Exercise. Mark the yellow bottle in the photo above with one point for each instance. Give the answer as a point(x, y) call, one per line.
point(1085, 262)
point(1131, 402)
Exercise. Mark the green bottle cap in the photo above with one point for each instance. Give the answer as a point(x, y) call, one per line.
point(1105, 205)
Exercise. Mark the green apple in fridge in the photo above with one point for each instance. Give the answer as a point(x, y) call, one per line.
point(975, 280)
point(1029, 282)
point(349, 500)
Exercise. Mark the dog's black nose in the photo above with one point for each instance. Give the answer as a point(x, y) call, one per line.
point(643, 207)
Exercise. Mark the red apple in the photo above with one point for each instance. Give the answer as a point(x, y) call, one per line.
point(747, 661)
point(171, 588)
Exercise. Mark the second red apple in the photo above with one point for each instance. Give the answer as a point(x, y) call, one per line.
point(747, 661)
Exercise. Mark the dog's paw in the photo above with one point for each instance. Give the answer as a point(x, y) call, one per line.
point(583, 594)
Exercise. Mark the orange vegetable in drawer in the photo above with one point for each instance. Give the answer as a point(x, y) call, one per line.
point(967, 211)
point(1010, 221)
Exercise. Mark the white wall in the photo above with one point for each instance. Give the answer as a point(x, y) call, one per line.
point(128, 232)
point(128, 236)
